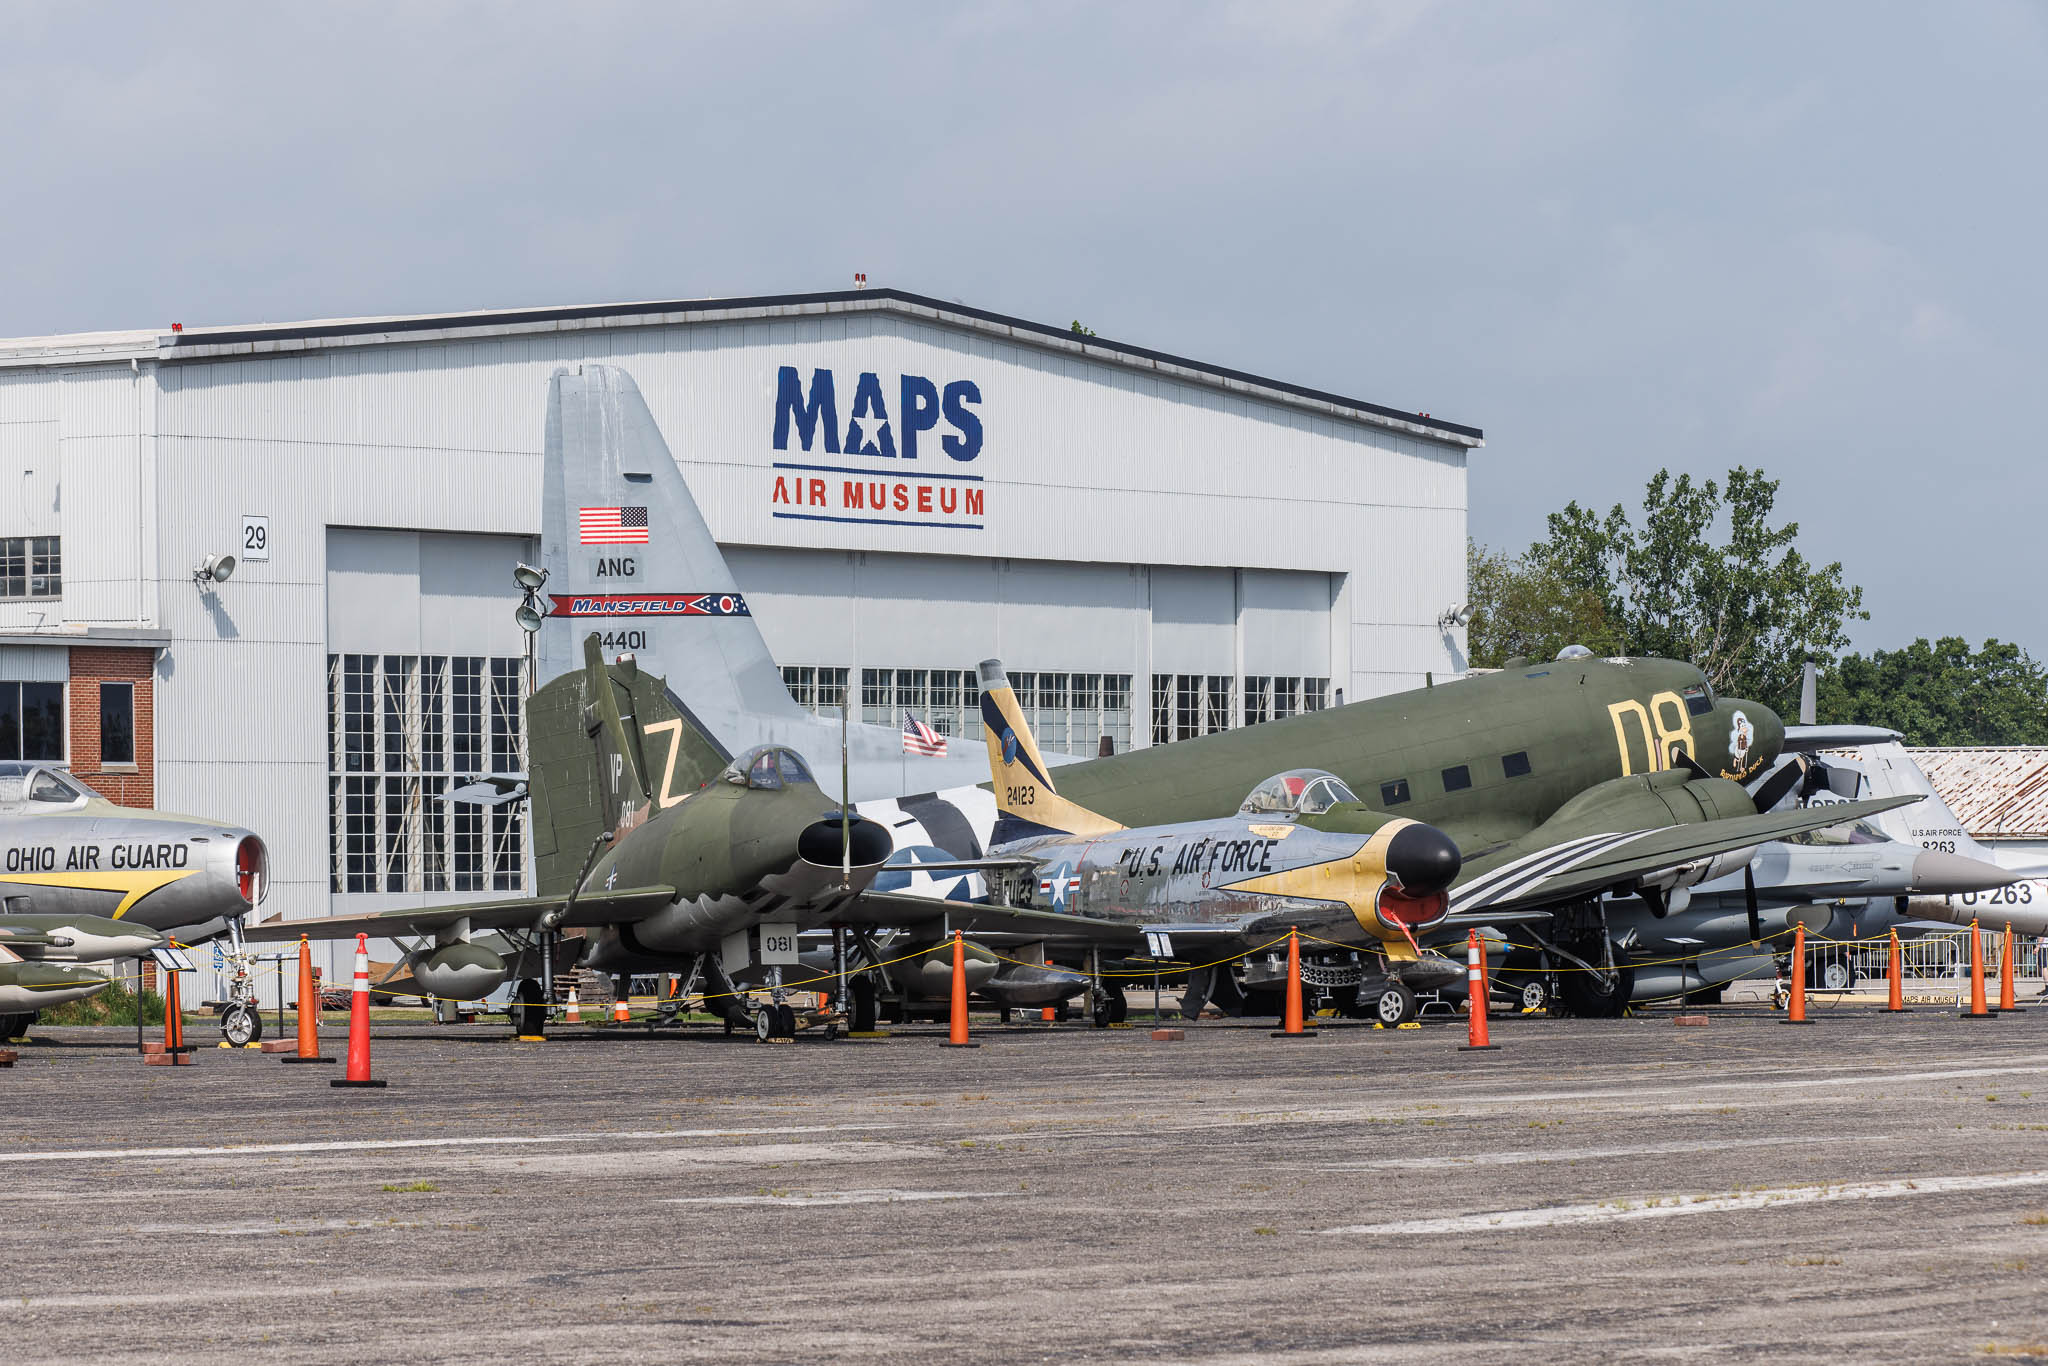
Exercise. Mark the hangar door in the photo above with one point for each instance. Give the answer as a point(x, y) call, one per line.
point(425, 675)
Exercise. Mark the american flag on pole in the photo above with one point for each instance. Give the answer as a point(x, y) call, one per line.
point(918, 738)
point(611, 526)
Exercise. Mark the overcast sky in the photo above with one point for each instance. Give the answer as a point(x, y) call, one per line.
point(1806, 237)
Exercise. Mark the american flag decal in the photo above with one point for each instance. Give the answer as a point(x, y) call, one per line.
point(918, 738)
point(611, 526)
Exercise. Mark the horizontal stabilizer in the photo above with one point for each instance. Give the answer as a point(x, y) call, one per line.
point(1808, 739)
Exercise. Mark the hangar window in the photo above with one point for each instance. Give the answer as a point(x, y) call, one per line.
point(32, 721)
point(402, 731)
point(1515, 765)
point(1457, 779)
point(1070, 713)
point(1394, 793)
point(117, 723)
point(815, 688)
point(1269, 697)
point(947, 700)
point(31, 567)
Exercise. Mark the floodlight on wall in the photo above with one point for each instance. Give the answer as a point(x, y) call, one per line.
point(529, 578)
point(213, 569)
point(528, 617)
point(1457, 615)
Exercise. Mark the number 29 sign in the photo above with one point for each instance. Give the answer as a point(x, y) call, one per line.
point(255, 537)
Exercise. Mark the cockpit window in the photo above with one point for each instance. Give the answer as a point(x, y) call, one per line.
point(768, 769)
point(1299, 792)
point(1699, 699)
point(48, 787)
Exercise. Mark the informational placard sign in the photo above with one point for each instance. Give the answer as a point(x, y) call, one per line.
point(255, 537)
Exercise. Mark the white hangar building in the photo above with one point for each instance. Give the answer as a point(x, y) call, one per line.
point(1158, 548)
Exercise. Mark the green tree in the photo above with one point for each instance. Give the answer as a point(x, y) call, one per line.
point(1705, 576)
point(1524, 608)
point(1942, 693)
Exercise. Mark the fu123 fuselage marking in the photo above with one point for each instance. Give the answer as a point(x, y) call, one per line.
point(87, 858)
point(1205, 855)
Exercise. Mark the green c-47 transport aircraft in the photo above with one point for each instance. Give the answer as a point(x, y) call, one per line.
point(1557, 781)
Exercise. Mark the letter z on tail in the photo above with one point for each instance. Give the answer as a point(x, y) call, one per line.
point(1026, 804)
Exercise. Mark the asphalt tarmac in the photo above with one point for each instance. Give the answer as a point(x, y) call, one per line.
point(1862, 1189)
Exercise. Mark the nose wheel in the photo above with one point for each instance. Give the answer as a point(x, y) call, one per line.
point(241, 1025)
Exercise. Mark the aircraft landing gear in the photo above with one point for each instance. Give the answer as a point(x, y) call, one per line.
point(861, 989)
point(1588, 997)
point(241, 1025)
point(1393, 1004)
point(774, 1022)
point(529, 1010)
point(1110, 1007)
point(15, 1026)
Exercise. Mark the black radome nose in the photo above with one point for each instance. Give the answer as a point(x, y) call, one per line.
point(1423, 858)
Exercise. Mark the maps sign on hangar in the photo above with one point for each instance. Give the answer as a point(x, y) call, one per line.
point(1156, 547)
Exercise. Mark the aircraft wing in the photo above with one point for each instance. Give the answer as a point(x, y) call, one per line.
point(1808, 739)
point(897, 910)
point(521, 913)
point(1580, 866)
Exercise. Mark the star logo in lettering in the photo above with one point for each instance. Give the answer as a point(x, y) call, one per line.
point(867, 435)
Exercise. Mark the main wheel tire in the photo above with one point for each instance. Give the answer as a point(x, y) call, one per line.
point(1534, 995)
point(785, 1022)
point(1100, 1012)
point(15, 1026)
point(1581, 995)
point(240, 1025)
point(1393, 1004)
point(530, 1009)
point(764, 1023)
point(1834, 975)
point(1119, 1006)
point(862, 989)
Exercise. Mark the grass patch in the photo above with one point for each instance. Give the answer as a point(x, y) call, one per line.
point(114, 1006)
point(1266, 1232)
point(413, 1186)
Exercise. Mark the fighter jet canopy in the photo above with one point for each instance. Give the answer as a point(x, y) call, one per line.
point(768, 768)
point(26, 787)
point(1297, 792)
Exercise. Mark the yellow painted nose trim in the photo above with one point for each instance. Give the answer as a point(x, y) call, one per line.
point(135, 885)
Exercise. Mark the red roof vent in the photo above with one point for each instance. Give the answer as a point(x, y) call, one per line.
point(177, 327)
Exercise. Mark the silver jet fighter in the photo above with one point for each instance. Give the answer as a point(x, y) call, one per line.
point(1210, 890)
point(84, 880)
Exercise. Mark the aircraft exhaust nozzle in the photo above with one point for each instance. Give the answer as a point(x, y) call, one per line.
point(1939, 874)
point(1423, 859)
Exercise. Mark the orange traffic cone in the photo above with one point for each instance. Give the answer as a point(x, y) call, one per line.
point(574, 1014)
point(1795, 1009)
point(1048, 1015)
point(1978, 1010)
point(1290, 1019)
point(359, 1021)
point(309, 1010)
point(2007, 998)
point(956, 1035)
point(1476, 1040)
point(175, 1053)
point(1896, 1004)
point(621, 1012)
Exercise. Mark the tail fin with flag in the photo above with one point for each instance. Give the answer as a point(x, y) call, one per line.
point(1026, 804)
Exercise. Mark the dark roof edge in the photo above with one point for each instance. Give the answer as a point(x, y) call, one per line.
point(593, 312)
